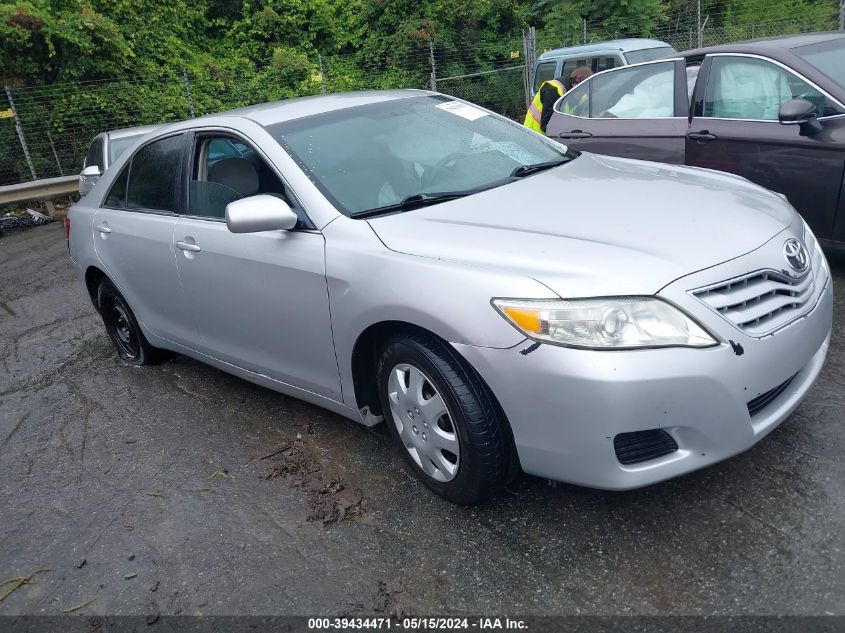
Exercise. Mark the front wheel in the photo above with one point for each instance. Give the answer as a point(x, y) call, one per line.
point(443, 418)
point(123, 329)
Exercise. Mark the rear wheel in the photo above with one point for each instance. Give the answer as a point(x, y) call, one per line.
point(123, 328)
point(443, 418)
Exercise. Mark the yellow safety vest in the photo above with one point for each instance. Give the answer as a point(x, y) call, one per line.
point(535, 110)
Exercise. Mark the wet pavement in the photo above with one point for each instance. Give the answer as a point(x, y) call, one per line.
point(179, 489)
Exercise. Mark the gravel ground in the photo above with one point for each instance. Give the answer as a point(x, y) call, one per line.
point(182, 490)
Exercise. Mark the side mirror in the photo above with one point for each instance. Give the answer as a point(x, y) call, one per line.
point(259, 213)
point(92, 171)
point(800, 112)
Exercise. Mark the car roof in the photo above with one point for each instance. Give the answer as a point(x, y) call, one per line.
point(288, 109)
point(138, 130)
point(775, 47)
point(625, 45)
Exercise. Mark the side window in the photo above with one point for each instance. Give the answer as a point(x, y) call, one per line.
point(571, 64)
point(749, 88)
point(116, 197)
point(154, 176)
point(577, 101)
point(605, 63)
point(545, 71)
point(95, 154)
point(219, 177)
point(636, 92)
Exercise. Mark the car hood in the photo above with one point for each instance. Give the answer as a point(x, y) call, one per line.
point(597, 226)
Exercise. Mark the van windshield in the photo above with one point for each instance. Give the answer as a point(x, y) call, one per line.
point(649, 54)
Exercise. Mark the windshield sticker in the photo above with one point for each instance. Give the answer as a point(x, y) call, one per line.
point(464, 110)
point(516, 152)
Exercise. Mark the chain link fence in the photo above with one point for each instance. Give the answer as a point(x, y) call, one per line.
point(45, 130)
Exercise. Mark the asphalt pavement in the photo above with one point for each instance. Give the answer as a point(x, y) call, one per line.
point(179, 489)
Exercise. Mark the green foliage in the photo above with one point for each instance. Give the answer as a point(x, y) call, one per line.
point(56, 54)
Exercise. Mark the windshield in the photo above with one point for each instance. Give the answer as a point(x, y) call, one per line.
point(119, 145)
point(827, 57)
point(376, 155)
point(648, 54)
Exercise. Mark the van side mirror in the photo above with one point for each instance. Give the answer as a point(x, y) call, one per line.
point(800, 112)
point(259, 213)
point(92, 171)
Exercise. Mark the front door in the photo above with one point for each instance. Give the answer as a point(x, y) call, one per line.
point(260, 300)
point(133, 238)
point(636, 112)
point(736, 129)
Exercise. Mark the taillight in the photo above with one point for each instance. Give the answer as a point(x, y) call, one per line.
point(67, 228)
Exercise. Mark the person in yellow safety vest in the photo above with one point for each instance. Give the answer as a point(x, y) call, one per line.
point(540, 111)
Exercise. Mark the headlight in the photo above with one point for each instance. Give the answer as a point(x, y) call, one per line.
point(604, 323)
point(810, 240)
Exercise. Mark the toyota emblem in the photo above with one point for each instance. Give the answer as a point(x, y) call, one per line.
point(796, 255)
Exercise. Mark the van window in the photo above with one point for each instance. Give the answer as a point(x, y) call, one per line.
point(545, 71)
point(605, 63)
point(571, 64)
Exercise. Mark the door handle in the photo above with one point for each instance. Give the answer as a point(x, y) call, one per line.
point(102, 228)
point(704, 135)
point(185, 246)
point(575, 134)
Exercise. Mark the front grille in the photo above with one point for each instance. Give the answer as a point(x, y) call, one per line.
point(760, 302)
point(641, 446)
point(760, 402)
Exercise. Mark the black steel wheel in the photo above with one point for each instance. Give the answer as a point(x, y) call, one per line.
point(123, 329)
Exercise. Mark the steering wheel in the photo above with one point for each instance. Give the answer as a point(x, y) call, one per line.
point(449, 158)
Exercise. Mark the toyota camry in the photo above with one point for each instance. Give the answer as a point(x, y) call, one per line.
point(501, 302)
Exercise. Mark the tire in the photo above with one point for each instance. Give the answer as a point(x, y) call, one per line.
point(463, 454)
point(123, 329)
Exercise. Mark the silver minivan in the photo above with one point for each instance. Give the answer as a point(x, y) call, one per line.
point(599, 56)
point(104, 150)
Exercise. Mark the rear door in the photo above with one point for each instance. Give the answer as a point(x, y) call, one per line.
point(735, 129)
point(133, 237)
point(638, 111)
point(260, 300)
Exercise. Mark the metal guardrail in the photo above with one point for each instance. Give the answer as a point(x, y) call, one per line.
point(45, 189)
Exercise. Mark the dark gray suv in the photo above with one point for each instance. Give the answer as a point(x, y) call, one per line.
point(769, 110)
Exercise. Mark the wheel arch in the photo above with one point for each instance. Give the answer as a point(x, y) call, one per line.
point(365, 357)
point(93, 277)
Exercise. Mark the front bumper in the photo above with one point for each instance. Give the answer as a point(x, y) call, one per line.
point(565, 406)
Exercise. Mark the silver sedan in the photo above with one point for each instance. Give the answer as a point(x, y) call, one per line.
point(502, 302)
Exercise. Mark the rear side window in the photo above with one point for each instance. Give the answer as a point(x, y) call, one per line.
point(571, 64)
point(635, 92)
point(154, 175)
point(116, 198)
point(605, 63)
point(95, 154)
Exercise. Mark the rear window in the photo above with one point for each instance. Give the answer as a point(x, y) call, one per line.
point(119, 145)
point(95, 154)
point(648, 54)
